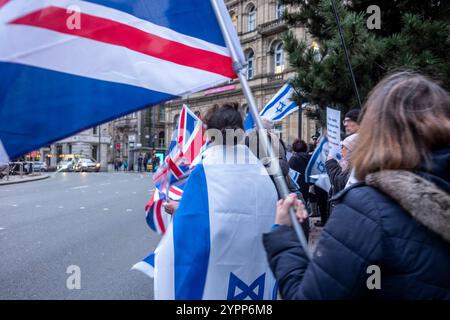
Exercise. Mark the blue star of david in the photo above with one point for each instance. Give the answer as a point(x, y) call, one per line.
point(247, 290)
point(280, 107)
point(321, 167)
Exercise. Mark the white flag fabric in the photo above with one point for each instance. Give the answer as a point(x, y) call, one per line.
point(213, 248)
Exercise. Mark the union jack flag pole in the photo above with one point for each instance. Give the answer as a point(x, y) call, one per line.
point(238, 66)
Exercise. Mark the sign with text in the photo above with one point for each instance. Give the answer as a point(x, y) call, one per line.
point(334, 132)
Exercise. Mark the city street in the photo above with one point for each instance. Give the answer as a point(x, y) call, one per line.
point(95, 221)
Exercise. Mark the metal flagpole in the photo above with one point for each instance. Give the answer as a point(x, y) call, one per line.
point(347, 59)
point(279, 179)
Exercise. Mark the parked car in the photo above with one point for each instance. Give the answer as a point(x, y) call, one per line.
point(39, 166)
point(65, 165)
point(85, 164)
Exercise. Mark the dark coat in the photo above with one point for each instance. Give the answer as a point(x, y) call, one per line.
point(299, 162)
point(338, 177)
point(396, 220)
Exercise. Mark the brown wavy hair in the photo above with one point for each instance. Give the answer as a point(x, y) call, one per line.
point(406, 116)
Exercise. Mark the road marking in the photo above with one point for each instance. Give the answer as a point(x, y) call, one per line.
point(2, 229)
point(105, 209)
point(105, 184)
point(117, 192)
point(99, 192)
point(60, 207)
point(14, 205)
point(134, 192)
point(151, 190)
point(38, 206)
point(82, 208)
point(129, 210)
point(80, 187)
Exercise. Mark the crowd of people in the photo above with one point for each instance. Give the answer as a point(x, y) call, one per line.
point(388, 206)
point(142, 162)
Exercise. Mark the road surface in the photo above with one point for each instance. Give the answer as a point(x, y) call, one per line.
point(94, 221)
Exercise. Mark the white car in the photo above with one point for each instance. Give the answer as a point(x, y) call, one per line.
point(65, 165)
point(39, 166)
point(85, 164)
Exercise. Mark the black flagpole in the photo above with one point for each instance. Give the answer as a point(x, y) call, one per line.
point(336, 16)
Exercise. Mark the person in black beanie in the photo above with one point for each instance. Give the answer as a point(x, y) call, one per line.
point(351, 123)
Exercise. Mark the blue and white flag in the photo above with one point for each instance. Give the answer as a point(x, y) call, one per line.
point(316, 171)
point(281, 105)
point(68, 65)
point(146, 266)
point(213, 248)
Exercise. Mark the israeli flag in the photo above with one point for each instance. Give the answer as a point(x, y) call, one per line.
point(280, 106)
point(213, 248)
point(316, 171)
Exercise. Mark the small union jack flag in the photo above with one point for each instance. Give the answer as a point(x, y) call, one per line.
point(185, 149)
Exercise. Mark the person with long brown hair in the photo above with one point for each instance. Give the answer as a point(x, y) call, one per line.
point(389, 234)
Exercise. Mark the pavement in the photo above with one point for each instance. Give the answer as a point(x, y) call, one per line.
point(94, 221)
point(25, 178)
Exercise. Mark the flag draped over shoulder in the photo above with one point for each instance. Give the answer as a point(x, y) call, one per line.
point(68, 65)
point(213, 248)
point(185, 151)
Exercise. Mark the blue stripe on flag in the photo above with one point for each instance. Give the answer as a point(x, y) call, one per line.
point(278, 98)
point(177, 15)
point(313, 159)
point(290, 108)
point(191, 237)
point(149, 218)
point(59, 96)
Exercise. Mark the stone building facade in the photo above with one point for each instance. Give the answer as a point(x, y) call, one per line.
point(259, 25)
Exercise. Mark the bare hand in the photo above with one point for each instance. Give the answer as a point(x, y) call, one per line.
point(170, 206)
point(283, 205)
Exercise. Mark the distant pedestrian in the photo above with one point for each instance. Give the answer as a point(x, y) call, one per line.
point(145, 162)
point(140, 162)
point(125, 165)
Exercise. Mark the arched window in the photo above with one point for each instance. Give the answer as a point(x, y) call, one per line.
point(250, 57)
point(279, 7)
point(278, 58)
point(251, 25)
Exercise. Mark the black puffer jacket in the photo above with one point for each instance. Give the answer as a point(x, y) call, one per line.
point(396, 220)
point(298, 162)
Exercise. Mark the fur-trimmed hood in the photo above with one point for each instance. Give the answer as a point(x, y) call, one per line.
point(427, 203)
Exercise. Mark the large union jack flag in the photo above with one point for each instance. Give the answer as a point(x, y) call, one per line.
point(66, 65)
